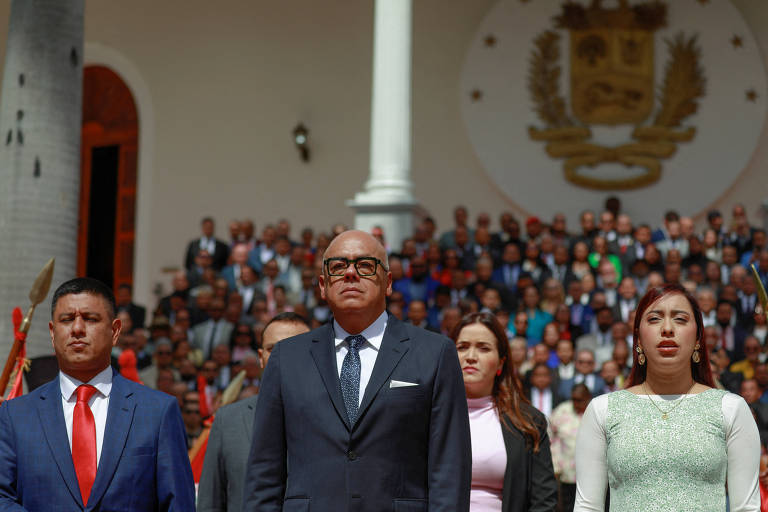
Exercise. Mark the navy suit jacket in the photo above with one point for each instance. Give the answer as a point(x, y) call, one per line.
point(143, 465)
point(408, 450)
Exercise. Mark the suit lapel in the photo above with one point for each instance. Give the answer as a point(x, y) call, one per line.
point(119, 419)
point(393, 347)
point(52, 419)
point(323, 353)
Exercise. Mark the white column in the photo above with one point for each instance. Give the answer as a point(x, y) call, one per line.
point(40, 125)
point(387, 198)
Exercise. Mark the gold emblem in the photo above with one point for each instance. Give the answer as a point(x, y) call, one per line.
point(612, 83)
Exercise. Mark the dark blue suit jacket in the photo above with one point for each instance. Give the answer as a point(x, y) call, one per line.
point(143, 464)
point(408, 450)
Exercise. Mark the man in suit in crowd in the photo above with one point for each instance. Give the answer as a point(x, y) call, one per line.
point(221, 483)
point(214, 331)
point(732, 335)
point(124, 299)
point(90, 439)
point(585, 372)
point(218, 250)
point(363, 413)
point(239, 260)
point(626, 301)
point(460, 217)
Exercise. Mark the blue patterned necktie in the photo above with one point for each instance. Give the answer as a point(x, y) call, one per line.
point(350, 376)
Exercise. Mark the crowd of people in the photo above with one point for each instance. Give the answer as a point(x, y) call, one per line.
point(565, 302)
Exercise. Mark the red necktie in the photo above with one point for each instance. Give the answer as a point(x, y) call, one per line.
point(84, 441)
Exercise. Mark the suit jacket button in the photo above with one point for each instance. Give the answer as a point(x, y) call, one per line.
point(351, 455)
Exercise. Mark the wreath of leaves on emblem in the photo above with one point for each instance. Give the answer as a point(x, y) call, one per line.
point(684, 82)
point(544, 81)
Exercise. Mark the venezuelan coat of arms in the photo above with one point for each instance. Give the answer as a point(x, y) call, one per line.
point(612, 83)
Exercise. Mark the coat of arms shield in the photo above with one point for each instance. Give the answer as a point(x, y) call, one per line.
point(611, 75)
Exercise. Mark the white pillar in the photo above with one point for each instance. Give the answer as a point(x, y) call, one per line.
point(387, 198)
point(40, 125)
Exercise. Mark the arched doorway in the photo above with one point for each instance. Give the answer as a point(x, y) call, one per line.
point(108, 178)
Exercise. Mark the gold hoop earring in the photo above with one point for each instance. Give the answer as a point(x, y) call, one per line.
point(695, 356)
point(640, 355)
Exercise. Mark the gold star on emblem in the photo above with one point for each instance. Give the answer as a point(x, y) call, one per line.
point(751, 95)
point(490, 41)
point(476, 95)
point(737, 42)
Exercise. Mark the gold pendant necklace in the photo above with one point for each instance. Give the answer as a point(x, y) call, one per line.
point(665, 414)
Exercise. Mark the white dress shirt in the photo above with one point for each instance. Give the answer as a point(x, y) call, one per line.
point(373, 334)
point(99, 403)
point(208, 244)
point(566, 371)
point(542, 400)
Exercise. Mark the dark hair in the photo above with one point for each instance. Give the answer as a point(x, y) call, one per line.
point(701, 372)
point(85, 285)
point(287, 317)
point(720, 302)
point(581, 387)
point(507, 391)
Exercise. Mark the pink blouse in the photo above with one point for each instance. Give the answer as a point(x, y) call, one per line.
point(489, 456)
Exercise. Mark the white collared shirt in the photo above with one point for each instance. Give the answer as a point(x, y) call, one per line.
point(542, 400)
point(99, 403)
point(374, 334)
point(566, 371)
point(209, 244)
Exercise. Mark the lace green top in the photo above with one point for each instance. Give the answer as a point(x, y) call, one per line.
point(657, 464)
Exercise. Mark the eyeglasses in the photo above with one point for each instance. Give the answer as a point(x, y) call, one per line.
point(365, 266)
point(191, 411)
point(582, 361)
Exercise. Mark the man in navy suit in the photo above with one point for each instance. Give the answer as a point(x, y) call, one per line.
point(364, 413)
point(90, 439)
point(218, 250)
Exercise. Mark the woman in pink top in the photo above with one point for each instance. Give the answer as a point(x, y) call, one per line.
point(511, 460)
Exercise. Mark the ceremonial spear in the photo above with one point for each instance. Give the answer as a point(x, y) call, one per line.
point(760, 290)
point(36, 296)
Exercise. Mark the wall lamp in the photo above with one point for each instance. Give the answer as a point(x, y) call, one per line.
point(301, 139)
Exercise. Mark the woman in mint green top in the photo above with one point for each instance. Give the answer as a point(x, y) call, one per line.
point(669, 441)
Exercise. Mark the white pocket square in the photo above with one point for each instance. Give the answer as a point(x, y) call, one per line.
point(401, 384)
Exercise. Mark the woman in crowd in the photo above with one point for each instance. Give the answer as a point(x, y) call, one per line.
point(553, 295)
point(670, 440)
point(451, 262)
point(567, 330)
point(579, 266)
point(518, 355)
point(511, 460)
point(537, 318)
point(242, 342)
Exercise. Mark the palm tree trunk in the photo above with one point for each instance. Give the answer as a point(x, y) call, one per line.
point(40, 125)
